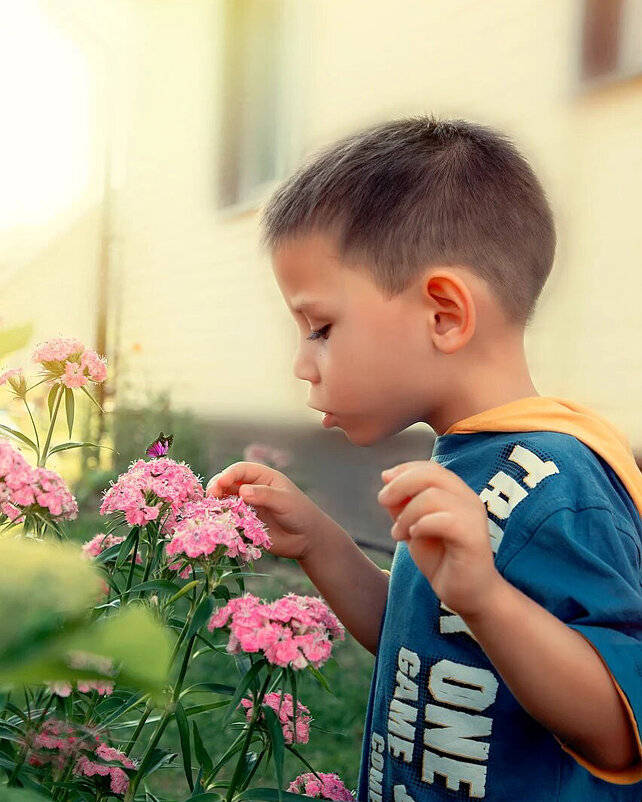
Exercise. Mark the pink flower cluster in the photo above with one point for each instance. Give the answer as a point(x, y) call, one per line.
point(67, 361)
point(292, 631)
point(267, 455)
point(59, 743)
point(118, 779)
point(283, 706)
point(321, 786)
point(101, 542)
point(24, 489)
point(64, 689)
point(203, 526)
point(148, 490)
point(12, 375)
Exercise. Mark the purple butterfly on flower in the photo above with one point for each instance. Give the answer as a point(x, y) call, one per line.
point(160, 446)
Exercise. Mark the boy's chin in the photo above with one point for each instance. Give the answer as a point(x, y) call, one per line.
point(365, 435)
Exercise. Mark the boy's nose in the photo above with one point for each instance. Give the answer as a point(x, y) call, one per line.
point(303, 367)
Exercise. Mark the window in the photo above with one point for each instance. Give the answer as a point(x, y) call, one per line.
point(261, 99)
point(611, 40)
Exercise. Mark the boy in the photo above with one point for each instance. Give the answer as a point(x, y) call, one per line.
point(508, 638)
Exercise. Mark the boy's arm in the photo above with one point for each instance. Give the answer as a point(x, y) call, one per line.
point(354, 587)
point(553, 672)
point(351, 583)
point(556, 676)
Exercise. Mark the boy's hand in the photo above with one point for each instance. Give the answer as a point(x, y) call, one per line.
point(446, 526)
point(290, 516)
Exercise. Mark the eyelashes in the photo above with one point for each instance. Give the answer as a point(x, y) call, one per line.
point(323, 332)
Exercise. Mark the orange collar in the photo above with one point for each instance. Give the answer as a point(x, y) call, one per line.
point(536, 414)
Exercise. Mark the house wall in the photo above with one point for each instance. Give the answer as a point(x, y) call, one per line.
point(193, 306)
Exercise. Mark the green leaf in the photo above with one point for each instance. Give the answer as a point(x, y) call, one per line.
point(222, 592)
point(323, 682)
point(201, 616)
point(67, 446)
point(126, 546)
point(199, 789)
point(276, 736)
point(197, 709)
point(268, 795)
point(186, 751)
point(242, 688)
point(160, 585)
point(209, 687)
point(15, 338)
point(185, 589)
point(205, 761)
point(158, 758)
point(295, 699)
point(108, 554)
point(51, 399)
point(20, 436)
point(70, 407)
point(92, 399)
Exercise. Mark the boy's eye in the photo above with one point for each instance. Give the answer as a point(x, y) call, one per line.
point(320, 333)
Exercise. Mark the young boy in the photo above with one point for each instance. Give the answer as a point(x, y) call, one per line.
point(508, 637)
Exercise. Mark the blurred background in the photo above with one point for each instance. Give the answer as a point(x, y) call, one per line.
point(139, 139)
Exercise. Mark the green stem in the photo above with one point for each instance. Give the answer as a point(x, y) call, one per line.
point(183, 671)
point(139, 728)
point(248, 738)
point(54, 415)
point(23, 752)
point(160, 728)
point(132, 565)
point(248, 779)
point(33, 423)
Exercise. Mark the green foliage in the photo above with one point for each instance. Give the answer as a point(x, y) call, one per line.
point(14, 339)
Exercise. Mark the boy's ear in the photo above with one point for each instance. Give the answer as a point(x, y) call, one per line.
point(452, 310)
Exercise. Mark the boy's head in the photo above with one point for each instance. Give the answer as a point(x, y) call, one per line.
point(378, 212)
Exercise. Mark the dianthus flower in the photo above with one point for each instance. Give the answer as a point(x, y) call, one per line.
point(28, 489)
point(283, 706)
point(267, 455)
point(292, 631)
point(66, 361)
point(114, 778)
point(101, 542)
point(321, 786)
point(9, 374)
point(152, 490)
point(204, 526)
point(64, 689)
point(57, 743)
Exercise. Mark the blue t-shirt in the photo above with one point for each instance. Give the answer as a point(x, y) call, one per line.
point(441, 724)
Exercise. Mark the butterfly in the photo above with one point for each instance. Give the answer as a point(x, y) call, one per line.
point(160, 446)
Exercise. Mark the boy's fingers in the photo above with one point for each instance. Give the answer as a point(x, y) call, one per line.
point(231, 478)
point(390, 473)
point(423, 504)
point(416, 479)
point(263, 496)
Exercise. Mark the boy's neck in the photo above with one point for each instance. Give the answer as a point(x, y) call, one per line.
point(488, 384)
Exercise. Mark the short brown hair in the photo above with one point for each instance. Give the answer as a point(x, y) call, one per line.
point(417, 192)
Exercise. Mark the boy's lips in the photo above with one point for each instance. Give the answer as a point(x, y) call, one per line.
point(328, 420)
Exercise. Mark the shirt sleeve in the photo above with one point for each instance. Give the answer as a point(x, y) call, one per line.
point(585, 570)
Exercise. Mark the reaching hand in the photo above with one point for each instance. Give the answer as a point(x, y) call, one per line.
point(290, 516)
